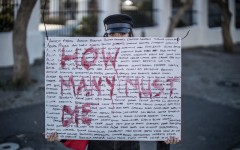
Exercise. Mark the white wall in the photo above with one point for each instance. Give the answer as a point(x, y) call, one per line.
point(235, 32)
point(34, 41)
point(108, 7)
point(35, 37)
point(6, 53)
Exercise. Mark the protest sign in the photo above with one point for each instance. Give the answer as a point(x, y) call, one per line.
point(102, 88)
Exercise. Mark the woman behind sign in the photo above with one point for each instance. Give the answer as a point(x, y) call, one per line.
point(118, 25)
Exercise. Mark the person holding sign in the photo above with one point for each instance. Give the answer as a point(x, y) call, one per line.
point(118, 25)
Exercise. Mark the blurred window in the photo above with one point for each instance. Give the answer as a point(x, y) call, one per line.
point(188, 17)
point(237, 13)
point(6, 15)
point(141, 11)
point(214, 14)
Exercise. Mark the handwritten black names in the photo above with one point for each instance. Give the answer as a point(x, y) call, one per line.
point(113, 88)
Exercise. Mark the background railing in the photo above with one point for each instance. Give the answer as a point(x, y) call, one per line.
point(188, 19)
point(68, 20)
point(7, 9)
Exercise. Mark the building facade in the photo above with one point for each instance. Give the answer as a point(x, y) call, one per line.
point(202, 20)
point(151, 18)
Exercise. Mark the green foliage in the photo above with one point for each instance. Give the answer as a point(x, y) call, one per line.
point(54, 20)
point(1, 85)
point(6, 18)
point(88, 26)
point(18, 82)
point(145, 5)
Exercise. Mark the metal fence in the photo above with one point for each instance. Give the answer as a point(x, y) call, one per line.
point(188, 19)
point(142, 18)
point(68, 20)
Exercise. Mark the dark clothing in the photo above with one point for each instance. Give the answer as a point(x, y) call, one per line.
point(113, 145)
point(122, 145)
point(161, 145)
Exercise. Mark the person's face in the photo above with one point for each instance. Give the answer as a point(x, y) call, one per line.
point(118, 34)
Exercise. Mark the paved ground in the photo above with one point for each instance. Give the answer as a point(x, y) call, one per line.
point(211, 103)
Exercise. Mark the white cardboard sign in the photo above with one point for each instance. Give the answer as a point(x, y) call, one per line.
point(102, 88)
